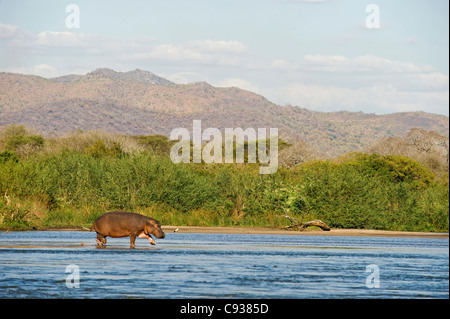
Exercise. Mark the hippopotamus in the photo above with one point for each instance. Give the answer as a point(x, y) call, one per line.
point(124, 224)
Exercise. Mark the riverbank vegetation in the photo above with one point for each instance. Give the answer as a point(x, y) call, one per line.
point(69, 181)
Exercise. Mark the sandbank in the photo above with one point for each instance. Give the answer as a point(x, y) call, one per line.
point(308, 232)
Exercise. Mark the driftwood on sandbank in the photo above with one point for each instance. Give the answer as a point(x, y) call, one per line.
point(300, 226)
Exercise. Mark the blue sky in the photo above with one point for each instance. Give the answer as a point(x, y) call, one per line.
point(314, 54)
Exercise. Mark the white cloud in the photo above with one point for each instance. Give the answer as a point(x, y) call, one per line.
point(7, 30)
point(365, 82)
point(44, 70)
point(70, 43)
point(183, 77)
point(382, 98)
point(60, 39)
point(364, 63)
point(174, 52)
point(283, 65)
point(205, 51)
point(341, 64)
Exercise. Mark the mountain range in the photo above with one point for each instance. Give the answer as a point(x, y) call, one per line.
point(142, 103)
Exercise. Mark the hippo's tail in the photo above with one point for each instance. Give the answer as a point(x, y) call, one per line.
point(92, 227)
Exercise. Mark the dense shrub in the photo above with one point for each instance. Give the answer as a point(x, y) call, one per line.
point(18, 139)
point(12, 215)
point(390, 167)
point(372, 191)
point(156, 144)
point(74, 185)
point(6, 156)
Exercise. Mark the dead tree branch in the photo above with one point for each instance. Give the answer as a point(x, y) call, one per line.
point(317, 223)
point(293, 220)
point(300, 226)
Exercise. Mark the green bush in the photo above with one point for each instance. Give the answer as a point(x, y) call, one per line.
point(14, 136)
point(13, 215)
point(354, 191)
point(99, 149)
point(7, 156)
point(156, 144)
point(372, 191)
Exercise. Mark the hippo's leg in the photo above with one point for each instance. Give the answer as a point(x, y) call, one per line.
point(101, 240)
point(150, 239)
point(132, 240)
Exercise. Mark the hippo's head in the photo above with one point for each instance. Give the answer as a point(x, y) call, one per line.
point(153, 227)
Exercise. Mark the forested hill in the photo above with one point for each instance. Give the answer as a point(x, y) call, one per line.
point(142, 103)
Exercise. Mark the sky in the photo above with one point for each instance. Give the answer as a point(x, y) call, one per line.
point(376, 56)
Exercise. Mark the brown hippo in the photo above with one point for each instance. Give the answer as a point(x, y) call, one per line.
point(124, 224)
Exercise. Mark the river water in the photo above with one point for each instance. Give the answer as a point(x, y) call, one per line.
point(67, 264)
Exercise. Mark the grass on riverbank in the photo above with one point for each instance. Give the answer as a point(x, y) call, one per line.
point(56, 185)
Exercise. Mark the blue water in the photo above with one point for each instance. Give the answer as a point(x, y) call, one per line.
point(33, 265)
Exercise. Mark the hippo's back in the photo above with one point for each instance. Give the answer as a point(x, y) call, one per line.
point(118, 222)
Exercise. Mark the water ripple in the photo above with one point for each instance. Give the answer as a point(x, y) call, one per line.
point(33, 265)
